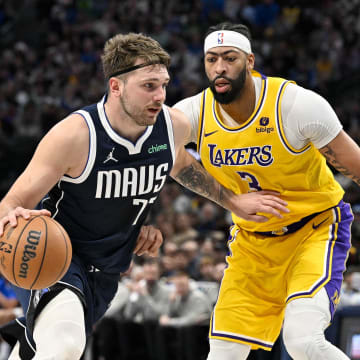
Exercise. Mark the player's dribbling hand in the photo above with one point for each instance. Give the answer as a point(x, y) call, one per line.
point(12, 216)
point(148, 241)
point(248, 205)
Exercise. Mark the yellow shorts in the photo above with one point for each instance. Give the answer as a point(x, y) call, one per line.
point(265, 273)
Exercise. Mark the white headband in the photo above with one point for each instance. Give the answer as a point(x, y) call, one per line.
point(227, 38)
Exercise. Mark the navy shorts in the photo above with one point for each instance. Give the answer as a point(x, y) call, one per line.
point(95, 290)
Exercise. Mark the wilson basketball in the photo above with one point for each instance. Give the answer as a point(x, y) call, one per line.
point(36, 253)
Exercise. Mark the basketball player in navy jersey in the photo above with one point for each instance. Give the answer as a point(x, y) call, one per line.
point(103, 167)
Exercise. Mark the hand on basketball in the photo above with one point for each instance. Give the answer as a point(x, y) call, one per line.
point(248, 205)
point(148, 241)
point(12, 216)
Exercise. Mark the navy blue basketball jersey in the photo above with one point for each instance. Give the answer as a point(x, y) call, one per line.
point(103, 209)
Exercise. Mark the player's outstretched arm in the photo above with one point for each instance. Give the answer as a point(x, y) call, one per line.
point(61, 151)
point(344, 154)
point(191, 174)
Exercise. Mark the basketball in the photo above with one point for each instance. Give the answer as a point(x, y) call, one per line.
point(36, 253)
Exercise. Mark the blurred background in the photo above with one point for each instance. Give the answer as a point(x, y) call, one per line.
point(50, 66)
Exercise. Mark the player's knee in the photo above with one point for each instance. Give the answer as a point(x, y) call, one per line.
point(71, 350)
point(59, 331)
point(227, 350)
point(72, 343)
point(307, 347)
point(300, 345)
point(303, 337)
point(290, 331)
point(66, 342)
point(291, 338)
point(304, 324)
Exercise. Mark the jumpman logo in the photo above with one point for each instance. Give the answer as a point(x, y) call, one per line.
point(110, 157)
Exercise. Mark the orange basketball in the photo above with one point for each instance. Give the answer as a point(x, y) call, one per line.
point(36, 253)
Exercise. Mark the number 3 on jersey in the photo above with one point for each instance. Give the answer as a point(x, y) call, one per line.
point(251, 180)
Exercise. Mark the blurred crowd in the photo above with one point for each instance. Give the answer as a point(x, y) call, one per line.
point(49, 66)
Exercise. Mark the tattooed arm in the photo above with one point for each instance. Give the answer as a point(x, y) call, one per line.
point(344, 154)
point(191, 174)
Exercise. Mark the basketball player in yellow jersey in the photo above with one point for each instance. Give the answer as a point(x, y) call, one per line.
point(264, 133)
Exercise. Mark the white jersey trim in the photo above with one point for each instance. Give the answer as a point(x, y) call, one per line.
point(279, 123)
point(59, 200)
point(306, 116)
point(238, 336)
point(132, 148)
point(170, 129)
point(253, 116)
point(27, 339)
point(332, 237)
point(20, 323)
point(70, 285)
point(92, 151)
point(29, 343)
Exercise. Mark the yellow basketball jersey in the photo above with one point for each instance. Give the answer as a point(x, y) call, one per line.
point(256, 156)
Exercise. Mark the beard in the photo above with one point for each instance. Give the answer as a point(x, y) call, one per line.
point(234, 93)
point(135, 112)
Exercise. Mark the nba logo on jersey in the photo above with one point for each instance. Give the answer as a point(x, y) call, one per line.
point(220, 38)
point(264, 121)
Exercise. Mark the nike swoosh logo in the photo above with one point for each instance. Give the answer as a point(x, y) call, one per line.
point(317, 225)
point(210, 133)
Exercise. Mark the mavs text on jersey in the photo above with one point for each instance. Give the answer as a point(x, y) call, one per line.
point(121, 180)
